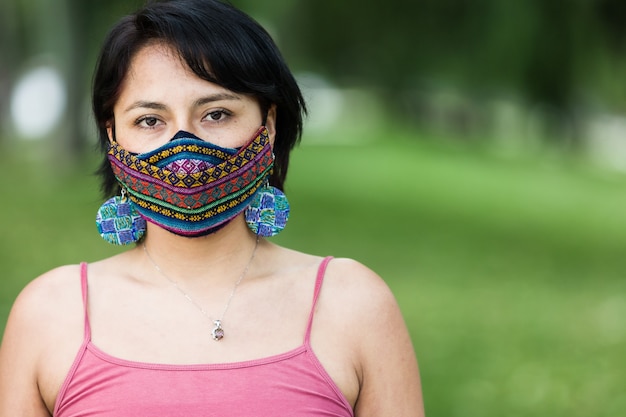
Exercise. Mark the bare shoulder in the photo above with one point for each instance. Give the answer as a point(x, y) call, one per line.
point(50, 293)
point(44, 324)
point(358, 305)
point(346, 284)
point(347, 280)
point(47, 309)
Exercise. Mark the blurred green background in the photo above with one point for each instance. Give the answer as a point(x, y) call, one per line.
point(470, 152)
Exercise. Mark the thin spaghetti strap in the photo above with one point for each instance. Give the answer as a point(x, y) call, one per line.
point(69, 378)
point(84, 288)
point(321, 271)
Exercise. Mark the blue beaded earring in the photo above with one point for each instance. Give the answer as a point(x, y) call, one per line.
point(118, 222)
point(268, 213)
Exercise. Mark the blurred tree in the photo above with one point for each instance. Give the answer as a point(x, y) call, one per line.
point(66, 33)
point(88, 23)
point(543, 51)
point(610, 16)
point(549, 53)
point(12, 51)
point(37, 32)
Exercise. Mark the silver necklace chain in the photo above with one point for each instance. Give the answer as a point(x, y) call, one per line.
point(217, 332)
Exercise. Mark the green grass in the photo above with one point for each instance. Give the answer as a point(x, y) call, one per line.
point(509, 271)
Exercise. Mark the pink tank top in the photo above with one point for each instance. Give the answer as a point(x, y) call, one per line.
point(291, 384)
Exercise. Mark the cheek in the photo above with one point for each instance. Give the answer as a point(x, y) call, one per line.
point(137, 140)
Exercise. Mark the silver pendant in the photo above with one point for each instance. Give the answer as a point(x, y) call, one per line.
point(217, 332)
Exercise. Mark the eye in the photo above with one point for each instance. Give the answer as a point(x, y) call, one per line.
point(148, 122)
point(217, 115)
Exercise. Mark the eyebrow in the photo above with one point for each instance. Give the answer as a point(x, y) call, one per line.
point(153, 105)
point(216, 97)
point(145, 105)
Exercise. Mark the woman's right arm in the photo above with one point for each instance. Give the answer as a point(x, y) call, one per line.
point(42, 336)
point(20, 356)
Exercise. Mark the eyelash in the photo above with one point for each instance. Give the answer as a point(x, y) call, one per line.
point(222, 112)
point(142, 119)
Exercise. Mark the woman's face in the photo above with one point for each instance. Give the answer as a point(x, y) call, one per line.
point(160, 96)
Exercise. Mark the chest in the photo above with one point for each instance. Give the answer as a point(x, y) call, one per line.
point(292, 384)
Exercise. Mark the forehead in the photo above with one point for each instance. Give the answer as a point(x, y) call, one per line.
point(158, 72)
point(157, 59)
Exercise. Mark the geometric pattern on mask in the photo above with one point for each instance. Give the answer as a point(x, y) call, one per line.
point(188, 166)
point(190, 203)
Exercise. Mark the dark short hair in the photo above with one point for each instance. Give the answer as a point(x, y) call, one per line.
point(220, 44)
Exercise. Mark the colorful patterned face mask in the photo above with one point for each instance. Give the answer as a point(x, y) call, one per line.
point(192, 187)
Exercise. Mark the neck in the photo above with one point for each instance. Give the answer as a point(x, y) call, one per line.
point(217, 257)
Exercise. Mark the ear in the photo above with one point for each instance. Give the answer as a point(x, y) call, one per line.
point(270, 123)
point(110, 126)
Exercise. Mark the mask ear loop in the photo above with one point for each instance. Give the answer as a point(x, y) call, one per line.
point(113, 138)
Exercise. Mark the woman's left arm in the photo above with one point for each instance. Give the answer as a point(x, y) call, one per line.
point(390, 381)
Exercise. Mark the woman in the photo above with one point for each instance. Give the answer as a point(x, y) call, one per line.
point(197, 113)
